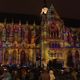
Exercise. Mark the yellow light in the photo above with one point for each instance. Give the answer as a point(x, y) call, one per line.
point(44, 10)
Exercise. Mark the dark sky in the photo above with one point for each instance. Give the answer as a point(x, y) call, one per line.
point(65, 8)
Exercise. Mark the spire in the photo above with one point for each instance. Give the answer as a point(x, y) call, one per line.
point(44, 3)
point(34, 24)
point(34, 27)
point(19, 22)
point(12, 21)
point(44, 7)
point(26, 23)
point(5, 20)
point(52, 13)
point(51, 7)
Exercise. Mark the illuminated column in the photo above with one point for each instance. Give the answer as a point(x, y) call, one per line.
point(44, 42)
point(1, 41)
point(33, 42)
point(26, 32)
point(43, 31)
point(4, 34)
point(0, 56)
point(18, 56)
point(3, 57)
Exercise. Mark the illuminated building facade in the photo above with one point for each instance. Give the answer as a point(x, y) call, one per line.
point(24, 43)
point(58, 40)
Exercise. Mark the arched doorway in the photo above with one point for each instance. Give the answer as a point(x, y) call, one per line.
point(6, 56)
point(23, 57)
point(14, 56)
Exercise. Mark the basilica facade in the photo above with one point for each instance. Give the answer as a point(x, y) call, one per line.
point(35, 44)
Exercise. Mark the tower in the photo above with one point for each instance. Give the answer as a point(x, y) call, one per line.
point(51, 35)
point(44, 31)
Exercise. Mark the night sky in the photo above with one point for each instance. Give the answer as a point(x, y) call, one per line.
point(65, 8)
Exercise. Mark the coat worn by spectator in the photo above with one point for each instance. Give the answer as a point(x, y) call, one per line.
point(51, 74)
point(44, 75)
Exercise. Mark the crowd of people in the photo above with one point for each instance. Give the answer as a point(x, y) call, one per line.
point(38, 73)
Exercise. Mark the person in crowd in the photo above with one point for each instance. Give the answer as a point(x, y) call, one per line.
point(31, 74)
point(6, 75)
point(36, 73)
point(51, 74)
point(15, 75)
point(74, 74)
point(67, 74)
point(44, 75)
point(24, 74)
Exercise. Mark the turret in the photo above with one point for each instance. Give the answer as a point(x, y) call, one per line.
point(44, 12)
